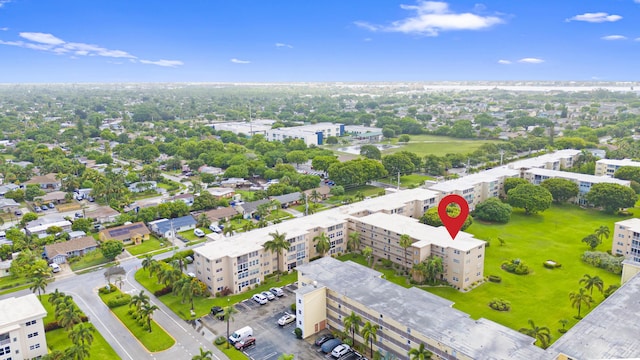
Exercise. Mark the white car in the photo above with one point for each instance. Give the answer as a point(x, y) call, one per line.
point(277, 291)
point(268, 295)
point(340, 350)
point(260, 299)
point(286, 319)
point(198, 233)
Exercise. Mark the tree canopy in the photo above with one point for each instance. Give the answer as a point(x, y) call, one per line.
point(611, 197)
point(493, 210)
point(561, 189)
point(531, 198)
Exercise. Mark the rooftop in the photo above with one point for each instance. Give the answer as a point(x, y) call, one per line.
point(633, 223)
point(14, 310)
point(577, 177)
point(165, 225)
point(470, 181)
point(65, 247)
point(421, 311)
point(616, 162)
point(542, 160)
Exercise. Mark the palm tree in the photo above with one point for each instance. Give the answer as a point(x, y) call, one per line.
point(315, 196)
point(352, 324)
point(147, 311)
point(227, 315)
point(54, 355)
point(247, 226)
point(286, 357)
point(179, 264)
point(69, 317)
point(203, 221)
point(277, 244)
point(369, 334)
point(39, 284)
point(57, 294)
point(540, 333)
point(580, 298)
point(602, 232)
point(228, 230)
point(592, 281)
point(204, 355)
point(419, 353)
point(353, 243)
point(563, 322)
point(82, 334)
point(147, 263)
point(138, 300)
point(323, 245)
point(61, 304)
point(77, 352)
point(405, 242)
point(367, 252)
point(169, 275)
point(187, 288)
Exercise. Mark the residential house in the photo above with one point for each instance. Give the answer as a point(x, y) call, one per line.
point(5, 268)
point(135, 233)
point(168, 228)
point(22, 328)
point(8, 205)
point(235, 183)
point(143, 186)
point(61, 251)
point(324, 191)
point(56, 197)
point(287, 200)
point(186, 198)
point(102, 214)
point(46, 182)
point(8, 187)
point(77, 234)
point(204, 169)
point(221, 192)
point(39, 227)
point(249, 208)
point(222, 213)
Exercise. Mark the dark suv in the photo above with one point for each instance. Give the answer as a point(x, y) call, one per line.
point(218, 312)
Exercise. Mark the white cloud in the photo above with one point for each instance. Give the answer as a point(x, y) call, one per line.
point(48, 42)
point(4, 29)
point(530, 61)
point(432, 17)
point(637, 39)
point(504, 62)
point(284, 45)
point(237, 61)
point(614, 37)
point(162, 62)
point(368, 39)
point(41, 38)
point(598, 17)
point(2, 2)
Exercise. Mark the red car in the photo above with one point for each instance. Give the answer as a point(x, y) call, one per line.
point(241, 345)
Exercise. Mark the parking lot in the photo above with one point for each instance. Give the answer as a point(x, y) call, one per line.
point(272, 340)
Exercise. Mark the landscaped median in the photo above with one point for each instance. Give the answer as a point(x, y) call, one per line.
point(155, 338)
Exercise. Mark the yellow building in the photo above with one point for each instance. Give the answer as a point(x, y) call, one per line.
point(134, 233)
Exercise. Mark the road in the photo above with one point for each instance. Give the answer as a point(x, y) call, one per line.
point(84, 289)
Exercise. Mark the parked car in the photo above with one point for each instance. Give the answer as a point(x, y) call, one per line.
point(17, 212)
point(286, 319)
point(241, 334)
point(241, 345)
point(328, 346)
point(79, 215)
point(277, 291)
point(260, 299)
point(217, 312)
point(215, 228)
point(190, 274)
point(323, 339)
point(198, 233)
point(340, 350)
point(188, 259)
point(44, 208)
point(51, 205)
point(268, 295)
point(37, 209)
point(55, 267)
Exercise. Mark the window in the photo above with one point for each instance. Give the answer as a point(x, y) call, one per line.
point(299, 301)
point(29, 336)
point(32, 322)
point(6, 350)
point(35, 346)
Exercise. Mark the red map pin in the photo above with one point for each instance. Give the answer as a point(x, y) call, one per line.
point(453, 224)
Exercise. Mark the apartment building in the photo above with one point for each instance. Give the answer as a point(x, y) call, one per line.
point(584, 181)
point(22, 328)
point(330, 290)
point(556, 160)
point(315, 134)
point(626, 242)
point(608, 167)
point(476, 188)
point(240, 261)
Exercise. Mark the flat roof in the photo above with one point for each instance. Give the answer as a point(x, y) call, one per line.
point(18, 309)
point(472, 180)
point(542, 160)
point(633, 224)
point(425, 234)
point(578, 177)
point(610, 331)
point(619, 162)
point(420, 310)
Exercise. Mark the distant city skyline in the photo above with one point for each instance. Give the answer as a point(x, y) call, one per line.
point(289, 41)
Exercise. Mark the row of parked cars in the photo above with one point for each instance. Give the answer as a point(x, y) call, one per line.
point(330, 345)
point(266, 296)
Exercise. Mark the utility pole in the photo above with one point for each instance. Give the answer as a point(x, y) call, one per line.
point(398, 180)
point(501, 155)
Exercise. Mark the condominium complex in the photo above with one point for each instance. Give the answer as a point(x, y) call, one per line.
point(626, 242)
point(240, 261)
point(22, 328)
point(556, 160)
point(329, 290)
point(608, 167)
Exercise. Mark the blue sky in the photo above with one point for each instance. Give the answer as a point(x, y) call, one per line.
point(329, 40)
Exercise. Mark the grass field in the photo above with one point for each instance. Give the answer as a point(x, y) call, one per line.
point(148, 245)
point(59, 339)
point(407, 180)
point(437, 145)
point(232, 353)
point(202, 305)
point(543, 295)
point(154, 341)
point(88, 260)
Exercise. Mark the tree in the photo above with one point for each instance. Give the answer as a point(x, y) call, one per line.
point(580, 298)
point(431, 217)
point(540, 333)
point(297, 157)
point(147, 310)
point(323, 245)
point(592, 281)
point(82, 224)
point(227, 315)
point(531, 198)
point(405, 242)
point(611, 197)
point(404, 138)
point(369, 334)
point(602, 232)
point(511, 183)
point(77, 352)
point(82, 334)
point(277, 244)
point(462, 129)
point(367, 252)
point(388, 132)
point(69, 315)
point(592, 240)
point(433, 267)
point(33, 191)
point(352, 325)
point(353, 243)
point(204, 355)
point(148, 263)
point(356, 172)
point(493, 210)
point(398, 163)
point(110, 249)
point(419, 353)
point(323, 162)
point(187, 288)
point(561, 189)
point(39, 284)
point(138, 300)
point(370, 152)
point(624, 173)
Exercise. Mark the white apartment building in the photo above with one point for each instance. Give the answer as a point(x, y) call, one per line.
point(584, 181)
point(315, 134)
point(251, 128)
point(22, 328)
point(607, 167)
point(552, 161)
point(626, 242)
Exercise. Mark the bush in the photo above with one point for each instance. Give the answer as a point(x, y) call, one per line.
point(500, 305)
point(103, 290)
point(121, 300)
point(51, 326)
point(562, 331)
point(495, 278)
point(386, 263)
point(293, 308)
point(220, 340)
point(604, 261)
point(298, 333)
point(550, 264)
point(515, 266)
point(164, 291)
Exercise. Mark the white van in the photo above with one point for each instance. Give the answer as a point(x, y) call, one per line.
point(55, 267)
point(241, 334)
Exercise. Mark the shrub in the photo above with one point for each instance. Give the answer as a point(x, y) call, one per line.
point(386, 263)
point(121, 300)
point(298, 333)
point(500, 305)
point(220, 340)
point(562, 331)
point(495, 278)
point(550, 264)
point(51, 326)
point(604, 261)
point(164, 291)
point(226, 291)
point(515, 266)
point(293, 308)
point(103, 290)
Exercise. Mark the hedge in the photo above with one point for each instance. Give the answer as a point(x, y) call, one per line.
point(495, 278)
point(124, 299)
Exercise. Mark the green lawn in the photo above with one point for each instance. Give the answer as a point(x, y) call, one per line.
point(542, 296)
point(189, 235)
point(203, 305)
point(147, 246)
point(278, 214)
point(407, 180)
point(12, 281)
point(232, 353)
point(59, 339)
point(154, 341)
point(88, 260)
point(437, 145)
point(316, 207)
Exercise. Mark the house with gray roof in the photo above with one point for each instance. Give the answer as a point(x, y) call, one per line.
point(60, 252)
point(170, 227)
